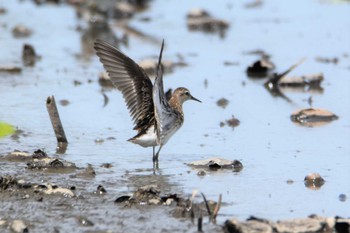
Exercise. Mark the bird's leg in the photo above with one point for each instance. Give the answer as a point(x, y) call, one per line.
point(156, 156)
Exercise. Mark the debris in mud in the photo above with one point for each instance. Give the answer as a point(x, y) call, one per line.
point(217, 163)
point(10, 69)
point(29, 56)
point(342, 197)
point(51, 164)
point(233, 122)
point(100, 190)
point(334, 60)
point(261, 68)
point(311, 224)
point(19, 226)
point(313, 117)
point(106, 165)
point(88, 172)
point(17, 155)
point(83, 221)
point(312, 81)
point(12, 184)
point(278, 81)
point(314, 181)
point(200, 20)
point(150, 195)
point(21, 31)
point(50, 189)
point(64, 102)
point(223, 102)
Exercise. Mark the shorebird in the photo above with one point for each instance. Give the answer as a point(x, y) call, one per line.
point(155, 118)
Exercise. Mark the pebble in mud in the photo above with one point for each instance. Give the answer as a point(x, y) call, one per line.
point(64, 102)
point(21, 31)
point(100, 190)
point(312, 117)
point(28, 55)
point(222, 102)
point(83, 221)
point(217, 163)
point(342, 197)
point(200, 20)
point(314, 181)
point(19, 226)
point(88, 172)
point(260, 68)
point(201, 173)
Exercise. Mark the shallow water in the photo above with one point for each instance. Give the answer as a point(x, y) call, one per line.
point(271, 147)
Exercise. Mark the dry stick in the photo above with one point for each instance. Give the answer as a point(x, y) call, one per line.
point(206, 204)
point(55, 120)
point(217, 208)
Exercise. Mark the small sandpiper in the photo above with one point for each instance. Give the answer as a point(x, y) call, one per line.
point(156, 119)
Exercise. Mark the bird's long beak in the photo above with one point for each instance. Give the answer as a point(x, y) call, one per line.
point(192, 98)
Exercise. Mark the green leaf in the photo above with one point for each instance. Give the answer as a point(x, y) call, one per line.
point(6, 129)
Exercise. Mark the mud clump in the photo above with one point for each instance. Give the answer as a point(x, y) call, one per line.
point(215, 164)
point(313, 117)
point(311, 224)
point(201, 20)
point(314, 181)
point(183, 207)
point(13, 185)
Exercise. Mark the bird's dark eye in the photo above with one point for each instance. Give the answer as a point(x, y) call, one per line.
point(187, 93)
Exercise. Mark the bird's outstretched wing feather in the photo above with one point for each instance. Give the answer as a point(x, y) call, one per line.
point(132, 81)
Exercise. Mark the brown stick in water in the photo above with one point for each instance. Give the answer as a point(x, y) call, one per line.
point(55, 120)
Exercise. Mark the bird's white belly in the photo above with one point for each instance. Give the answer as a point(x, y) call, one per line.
point(148, 139)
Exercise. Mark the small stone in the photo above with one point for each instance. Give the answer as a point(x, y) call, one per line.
point(28, 55)
point(19, 226)
point(260, 68)
point(21, 31)
point(201, 173)
point(83, 221)
point(99, 140)
point(106, 165)
point(64, 102)
point(290, 181)
point(342, 197)
point(100, 190)
point(169, 201)
point(313, 117)
point(154, 201)
point(222, 102)
point(314, 181)
point(52, 189)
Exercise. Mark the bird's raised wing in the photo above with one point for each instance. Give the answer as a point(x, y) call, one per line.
point(164, 114)
point(132, 81)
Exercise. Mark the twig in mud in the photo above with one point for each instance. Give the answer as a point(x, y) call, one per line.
point(206, 204)
point(277, 77)
point(217, 208)
point(55, 120)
